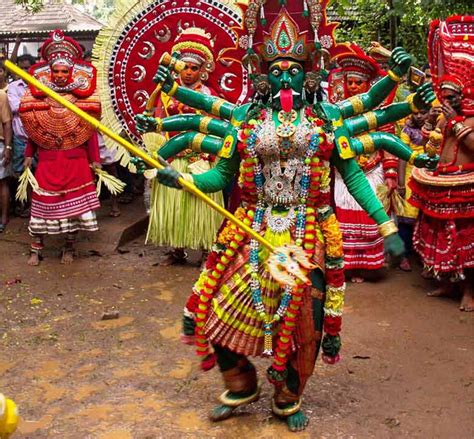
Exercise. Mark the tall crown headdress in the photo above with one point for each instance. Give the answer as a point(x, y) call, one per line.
point(451, 57)
point(296, 29)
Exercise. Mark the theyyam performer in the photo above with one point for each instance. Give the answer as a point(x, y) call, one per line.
point(362, 242)
point(126, 53)
point(65, 198)
point(444, 233)
point(283, 144)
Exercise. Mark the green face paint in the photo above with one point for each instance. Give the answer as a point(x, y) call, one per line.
point(286, 80)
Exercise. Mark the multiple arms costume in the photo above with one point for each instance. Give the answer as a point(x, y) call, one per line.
point(283, 148)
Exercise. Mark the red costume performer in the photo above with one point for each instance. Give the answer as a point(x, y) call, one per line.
point(66, 146)
point(363, 244)
point(444, 233)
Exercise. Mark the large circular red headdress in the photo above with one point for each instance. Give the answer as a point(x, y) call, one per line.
point(451, 56)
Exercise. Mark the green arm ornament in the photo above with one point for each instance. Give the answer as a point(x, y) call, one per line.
point(193, 122)
point(197, 142)
point(369, 143)
point(415, 102)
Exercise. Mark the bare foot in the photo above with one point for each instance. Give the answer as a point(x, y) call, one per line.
point(114, 212)
point(67, 256)
point(443, 291)
point(357, 280)
point(34, 259)
point(467, 301)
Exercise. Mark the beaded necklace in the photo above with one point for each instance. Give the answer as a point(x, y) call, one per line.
point(255, 286)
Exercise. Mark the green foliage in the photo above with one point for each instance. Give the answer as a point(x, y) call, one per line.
point(34, 6)
point(411, 17)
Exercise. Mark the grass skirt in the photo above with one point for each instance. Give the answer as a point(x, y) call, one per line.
point(180, 219)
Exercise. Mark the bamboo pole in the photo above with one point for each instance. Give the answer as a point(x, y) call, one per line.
point(190, 187)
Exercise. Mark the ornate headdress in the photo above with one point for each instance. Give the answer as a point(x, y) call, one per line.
point(451, 57)
point(195, 44)
point(294, 29)
point(359, 64)
point(59, 48)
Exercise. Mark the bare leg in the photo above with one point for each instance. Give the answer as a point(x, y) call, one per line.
point(67, 255)
point(5, 200)
point(467, 289)
point(35, 250)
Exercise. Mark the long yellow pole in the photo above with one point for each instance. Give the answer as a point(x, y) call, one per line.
point(190, 187)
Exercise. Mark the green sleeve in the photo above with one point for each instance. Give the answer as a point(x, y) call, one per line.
point(359, 187)
point(220, 176)
point(200, 101)
point(386, 115)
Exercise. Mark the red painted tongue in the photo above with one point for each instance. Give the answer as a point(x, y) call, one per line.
point(286, 99)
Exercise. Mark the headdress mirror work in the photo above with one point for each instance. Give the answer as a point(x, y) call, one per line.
point(285, 40)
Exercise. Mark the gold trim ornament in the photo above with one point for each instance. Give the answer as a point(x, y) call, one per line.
point(233, 402)
point(197, 142)
point(173, 89)
point(284, 413)
point(159, 125)
point(394, 76)
point(409, 101)
point(216, 106)
point(368, 143)
point(204, 124)
point(371, 119)
point(387, 228)
point(413, 157)
point(357, 104)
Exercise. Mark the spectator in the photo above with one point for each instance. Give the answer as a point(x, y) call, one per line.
point(16, 90)
point(5, 156)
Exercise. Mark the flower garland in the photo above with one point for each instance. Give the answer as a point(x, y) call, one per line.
point(313, 210)
point(209, 281)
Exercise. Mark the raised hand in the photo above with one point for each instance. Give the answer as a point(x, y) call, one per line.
point(425, 161)
point(164, 77)
point(400, 61)
point(424, 96)
point(145, 124)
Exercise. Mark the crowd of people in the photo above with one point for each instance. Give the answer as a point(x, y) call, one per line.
point(274, 158)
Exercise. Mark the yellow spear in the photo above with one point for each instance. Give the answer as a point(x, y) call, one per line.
point(280, 255)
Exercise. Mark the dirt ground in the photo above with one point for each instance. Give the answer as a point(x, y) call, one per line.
point(407, 367)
